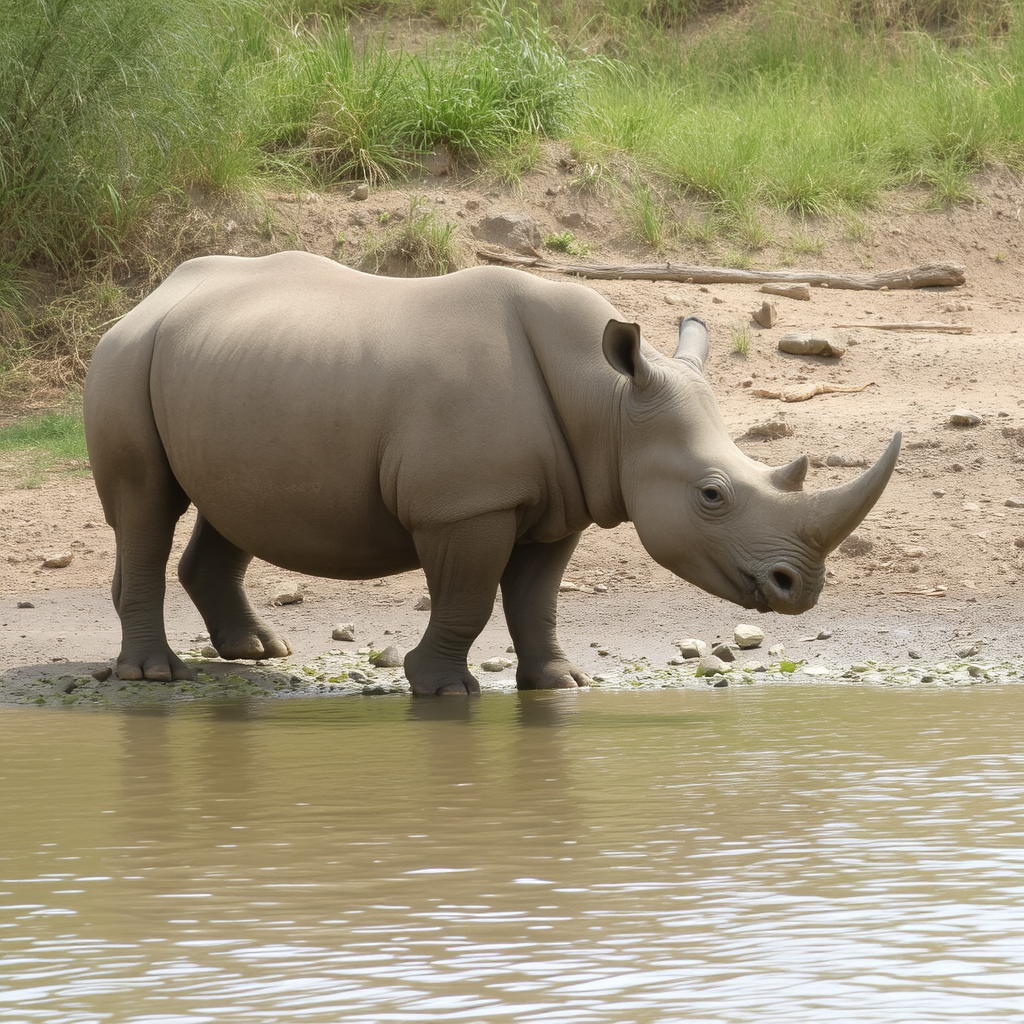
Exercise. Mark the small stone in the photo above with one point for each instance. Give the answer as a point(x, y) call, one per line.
point(495, 664)
point(816, 670)
point(797, 290)
point(747, 636)
point(566, 586)
point(963, 418)
point(913, 552)
point(209, 652)
point(860, 666)
point(845, 460)
point(691, 648)
point(674, 298)
point(813, 343)
point(977, 671)
point(776, 652)
point(1013, 503)
point(374, 690)
point(423, 604)
point(856, 544)
point(710, 666)
point(58, 561)
point(914, 653)
point(755, 666)
point(601, 588)
point(724, 651)
point(1019, 542)
point(390, 657)
point(344, 631)
point(287, 597)
point(101, 675)
point(773, 428)
point(677, 660)
point(766, 315)
point(359, 193)
point(358, 677)
point(969, 651)
point(25, 604)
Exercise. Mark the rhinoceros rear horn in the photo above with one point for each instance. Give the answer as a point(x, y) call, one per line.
point(693, 342)
point(834, 514)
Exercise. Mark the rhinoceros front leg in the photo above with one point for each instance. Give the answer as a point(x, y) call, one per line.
point(212, 571)
point(529, 589)
point(463, 563)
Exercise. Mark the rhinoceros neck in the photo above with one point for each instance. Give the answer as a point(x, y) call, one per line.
point(564, 325)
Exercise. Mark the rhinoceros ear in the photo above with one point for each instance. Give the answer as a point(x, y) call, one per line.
point(621, 344)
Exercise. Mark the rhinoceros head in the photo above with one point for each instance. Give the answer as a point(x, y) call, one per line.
point(731, 525)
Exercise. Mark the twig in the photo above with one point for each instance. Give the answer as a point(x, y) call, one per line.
point(917, 325)
point(814, 389)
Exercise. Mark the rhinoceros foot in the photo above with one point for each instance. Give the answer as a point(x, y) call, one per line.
point(560, 674)
point(162, 666)
point(432, 675)
point(249, 644)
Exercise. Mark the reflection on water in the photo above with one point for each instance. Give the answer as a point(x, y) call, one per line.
point(764, 854)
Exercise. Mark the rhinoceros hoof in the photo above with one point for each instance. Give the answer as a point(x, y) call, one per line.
point(559, 675)
point(254, 646)
point(161, 667)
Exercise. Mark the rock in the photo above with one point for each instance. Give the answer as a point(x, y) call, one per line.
point(566, 586)
point(856, 544)
point(1013, 503)
point(495, 664)
point(390, 657)
point(710, 666)
point(344, 631)
point(101, 675)
point(209, 652)
point(359, 193)
point(25, 604)
point(286, 597)
point(691, 648)
point(601, 588)
point(773, 428)
point(423, 604)
point(813, 343)
point(846, 460)
point(723, 652)
point(797, 290)
point(969, 651)
point(766, 315)
point(776, 652)
point(747, 636)
point(58, 561)
point(963, 418)
point(438, 162)
point(515, 231)
point(914, 653)
point(755, 666)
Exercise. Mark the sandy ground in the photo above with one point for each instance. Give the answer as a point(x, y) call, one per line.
point(938, 574)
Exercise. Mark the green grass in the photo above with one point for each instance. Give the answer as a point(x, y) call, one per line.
point(45, 443)
point(112, 109)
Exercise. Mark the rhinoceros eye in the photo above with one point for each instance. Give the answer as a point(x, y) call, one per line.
point(714, 495)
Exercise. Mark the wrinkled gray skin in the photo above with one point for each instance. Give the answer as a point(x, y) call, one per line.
point(344, 425)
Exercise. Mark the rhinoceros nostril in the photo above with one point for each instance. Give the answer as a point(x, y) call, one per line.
point(783, 580)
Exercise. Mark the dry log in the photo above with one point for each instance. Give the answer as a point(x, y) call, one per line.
point(929, 275)
point(809, 392)
point(917, 325)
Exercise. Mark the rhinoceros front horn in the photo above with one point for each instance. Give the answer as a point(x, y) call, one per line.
point(834, 514)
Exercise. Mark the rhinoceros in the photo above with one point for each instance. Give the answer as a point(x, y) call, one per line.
point(345, 425)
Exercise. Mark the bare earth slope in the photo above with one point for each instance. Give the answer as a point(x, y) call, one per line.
point(938, 571)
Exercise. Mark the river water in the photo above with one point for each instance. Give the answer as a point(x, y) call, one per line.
point(772, 853)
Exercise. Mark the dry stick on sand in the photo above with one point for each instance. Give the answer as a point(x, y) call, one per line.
point(916, 325)
point(810, 392)
point(930, 275)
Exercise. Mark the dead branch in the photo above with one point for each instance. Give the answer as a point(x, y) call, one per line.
point(815, 389)
point(917, 325)
point(931, 275)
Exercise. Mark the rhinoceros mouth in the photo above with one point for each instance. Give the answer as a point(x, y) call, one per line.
point(756, 596)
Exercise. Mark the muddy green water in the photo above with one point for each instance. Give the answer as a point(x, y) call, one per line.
point(787, 853)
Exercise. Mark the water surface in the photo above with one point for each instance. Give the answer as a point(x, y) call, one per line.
point(790, 853)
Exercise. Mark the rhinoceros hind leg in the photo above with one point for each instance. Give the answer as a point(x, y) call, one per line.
point(463, 563)
point(529, 590)
point(212, 571)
